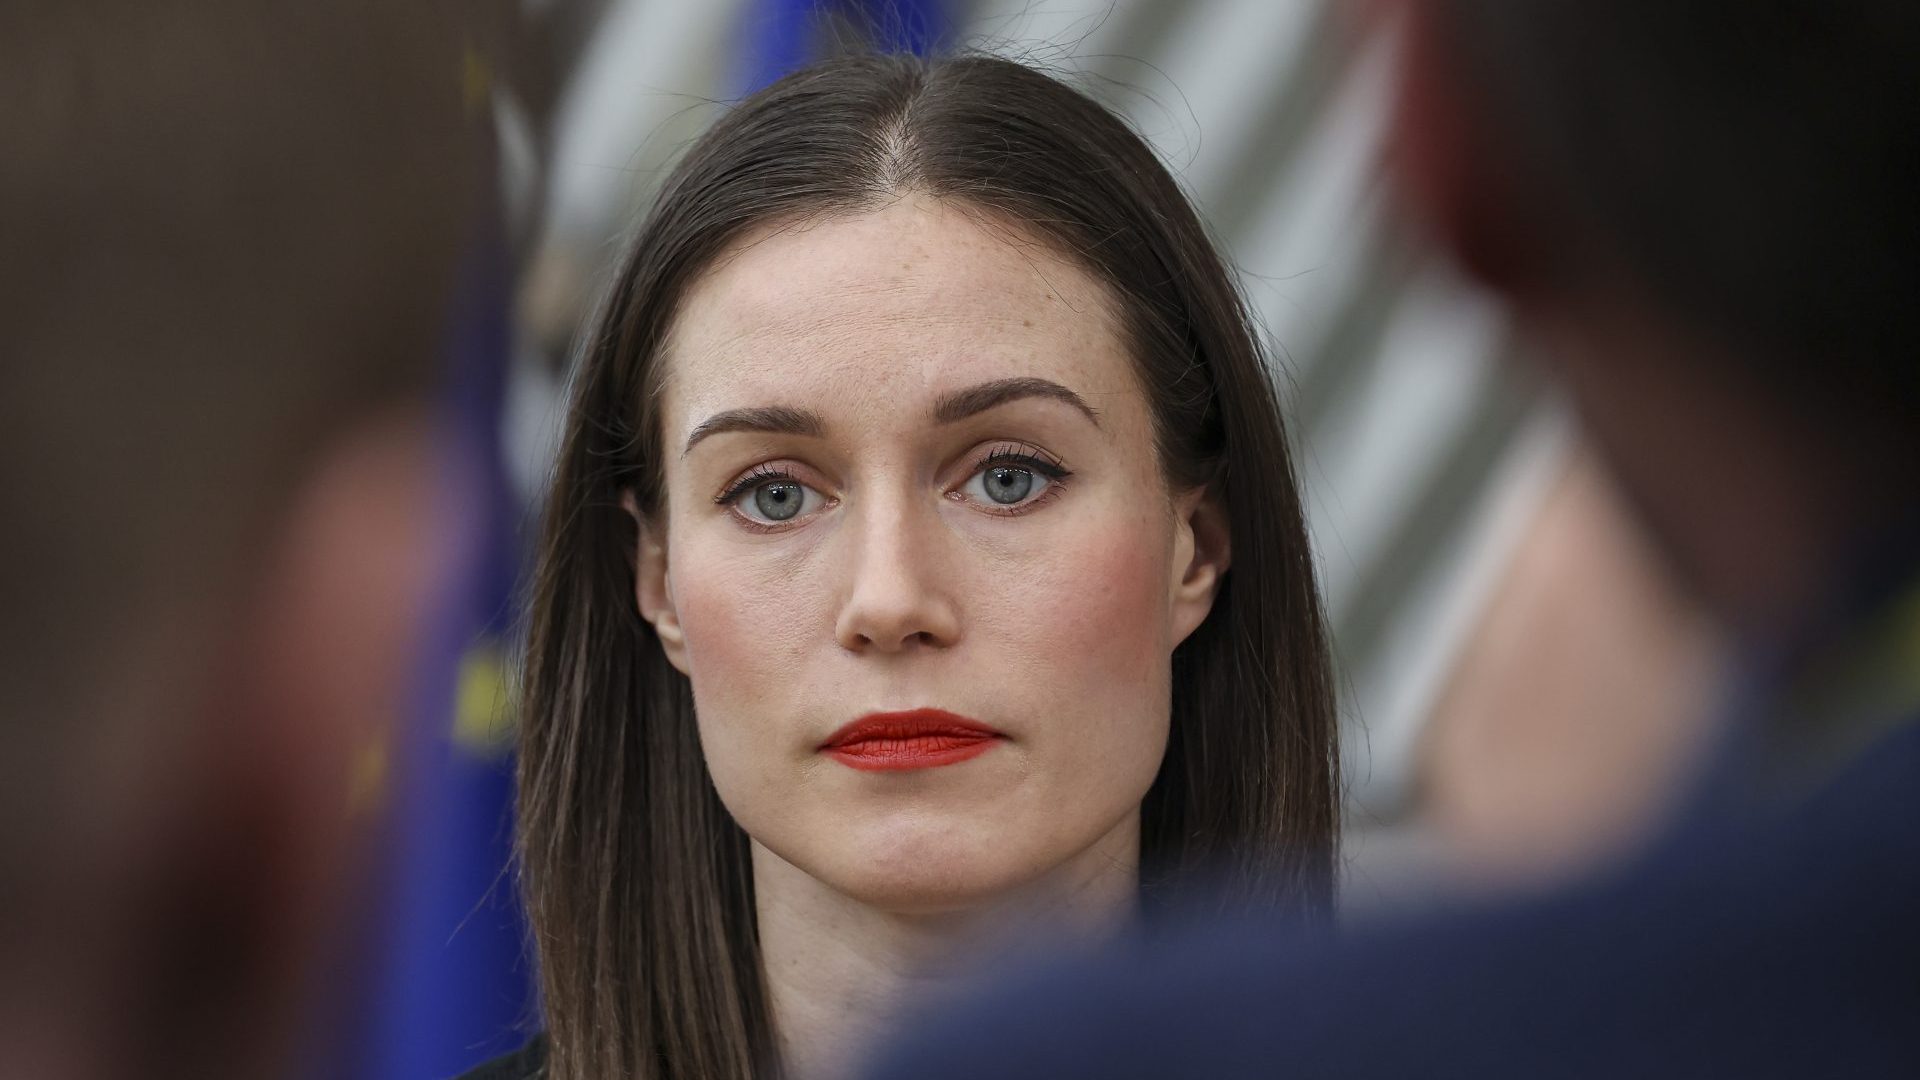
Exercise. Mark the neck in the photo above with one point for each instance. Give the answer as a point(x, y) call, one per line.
point(842, 972)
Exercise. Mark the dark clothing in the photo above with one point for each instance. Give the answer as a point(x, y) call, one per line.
point(1784, 948)
point(527, 1063)
point(1774, 932)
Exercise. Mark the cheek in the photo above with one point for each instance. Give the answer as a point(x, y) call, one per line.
point(747, 626)
point(1094, 626)
point(740, 610)
point(1092, 643)
point(1108, 607)
point(1113, 596)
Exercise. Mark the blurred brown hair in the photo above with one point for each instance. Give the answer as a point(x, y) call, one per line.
point(227, 232)
point(1754, 177)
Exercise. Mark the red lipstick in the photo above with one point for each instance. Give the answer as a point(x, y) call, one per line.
point(916, 739)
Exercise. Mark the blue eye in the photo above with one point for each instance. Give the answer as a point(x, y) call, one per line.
point(779, 500)
point(771, 497)
point(1014, 478)
point(1008, 483)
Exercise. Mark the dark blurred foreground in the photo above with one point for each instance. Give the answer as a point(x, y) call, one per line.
point(231, 234)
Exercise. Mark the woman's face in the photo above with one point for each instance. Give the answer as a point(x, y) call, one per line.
point(909, 467)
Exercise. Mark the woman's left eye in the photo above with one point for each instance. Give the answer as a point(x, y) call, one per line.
point(1007, 482)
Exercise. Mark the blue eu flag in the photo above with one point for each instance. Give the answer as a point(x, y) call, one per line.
point(455, 982)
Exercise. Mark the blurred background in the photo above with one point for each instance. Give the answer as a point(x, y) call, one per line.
point(1519, 687)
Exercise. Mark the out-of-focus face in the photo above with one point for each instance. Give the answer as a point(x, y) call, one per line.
point(921, 477)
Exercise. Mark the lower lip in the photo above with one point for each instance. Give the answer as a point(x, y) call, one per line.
point(913, 752)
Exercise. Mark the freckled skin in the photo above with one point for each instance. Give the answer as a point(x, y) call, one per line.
point(889, 592)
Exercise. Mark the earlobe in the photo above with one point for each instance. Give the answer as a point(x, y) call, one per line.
point(652, 586)
point(1203, 549)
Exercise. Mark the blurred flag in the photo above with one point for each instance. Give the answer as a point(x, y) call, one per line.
point(455, 986)
point(783, 34)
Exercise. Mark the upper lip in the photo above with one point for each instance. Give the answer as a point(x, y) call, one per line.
point(912, 723)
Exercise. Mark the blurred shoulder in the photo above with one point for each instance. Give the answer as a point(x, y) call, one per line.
point(527, 1063)
point(1756, 948)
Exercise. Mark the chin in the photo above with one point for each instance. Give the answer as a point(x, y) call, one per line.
point(922, 867)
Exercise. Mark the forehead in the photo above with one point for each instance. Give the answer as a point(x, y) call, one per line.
point(885, 308)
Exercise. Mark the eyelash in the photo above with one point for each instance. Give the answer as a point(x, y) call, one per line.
point(1020, 455)
point(1025, 456)
point(754, 477)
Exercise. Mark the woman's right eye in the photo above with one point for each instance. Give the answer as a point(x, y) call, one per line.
point(773, 500)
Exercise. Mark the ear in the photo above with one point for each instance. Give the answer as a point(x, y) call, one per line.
point(1202, 550)
point(653, 586)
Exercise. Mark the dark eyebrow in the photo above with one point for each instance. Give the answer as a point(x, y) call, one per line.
point(779, 419)
point(961, 404)
point(952, 407)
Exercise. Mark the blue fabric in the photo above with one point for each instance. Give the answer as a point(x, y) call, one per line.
point(453, 986)
point(781, 35)
point(1781, 945)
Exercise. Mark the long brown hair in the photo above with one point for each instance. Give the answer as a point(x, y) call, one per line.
point(637, 880)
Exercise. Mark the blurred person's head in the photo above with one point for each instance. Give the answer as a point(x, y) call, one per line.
point(922, 387)
point(1704, 216)
point(230, 231)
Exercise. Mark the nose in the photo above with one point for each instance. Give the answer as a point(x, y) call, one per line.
point(899, 594)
